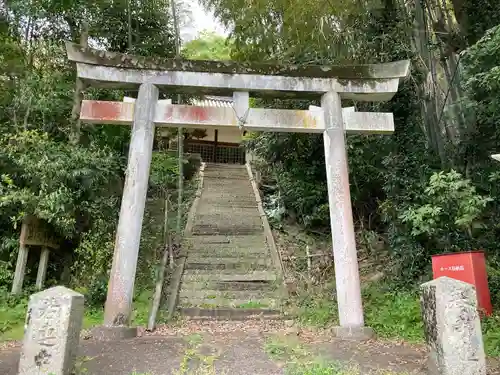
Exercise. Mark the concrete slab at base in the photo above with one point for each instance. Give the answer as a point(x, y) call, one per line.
point(353, 333)
point(117, 333)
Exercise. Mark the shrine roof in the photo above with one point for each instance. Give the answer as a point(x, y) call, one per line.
point(90, 56)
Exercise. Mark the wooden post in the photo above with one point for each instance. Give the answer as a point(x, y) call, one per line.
point(121, 283)
point(22, 259)
point(339, 198)
point(42, 267)
point(216, 141)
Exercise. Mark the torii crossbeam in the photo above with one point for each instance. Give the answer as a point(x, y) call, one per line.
point(330, 83)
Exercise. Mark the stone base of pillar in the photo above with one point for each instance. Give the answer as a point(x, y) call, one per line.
point(117, 333)
point(353, 333)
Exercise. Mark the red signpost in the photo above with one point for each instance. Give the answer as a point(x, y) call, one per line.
point(469, 267)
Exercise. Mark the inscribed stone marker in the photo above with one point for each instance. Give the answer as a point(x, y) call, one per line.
point(51, 332)
point(452, 328)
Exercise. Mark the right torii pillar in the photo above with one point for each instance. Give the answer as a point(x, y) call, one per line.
point(347, 281)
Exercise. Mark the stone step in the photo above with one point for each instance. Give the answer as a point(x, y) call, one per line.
point(263, 286)
point(267, 303)
point(233, 187)
point(225, 231)
point(223, 204)
point(243, 253)
point(227, 194)
point(195, 313)
point(251, 249)
point(219, 198)
point(228, 276)
point(226, 165)
point(229, 186)
point(226, 175)
point(235, 208)
point(217, 262)
point(253, 296)
point(240, 180)
point(202, 221)
point(262, 257)
point(226, 251)
point(227, 241)
point(227, 220)
point(226, 213)
point(230, 196)
point(235, 266)
point(203, 252)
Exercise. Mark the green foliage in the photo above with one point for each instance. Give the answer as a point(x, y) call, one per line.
point(480, 15)
point(491, 335)
point(62, 184)
point(481, 77)
point(445, 215)
point(12, 314)
point(283, 30)
point(93, 256)
point(449, 204)
point(76, 188)
point(164, 171)
point(96, 295)
point(208, 46)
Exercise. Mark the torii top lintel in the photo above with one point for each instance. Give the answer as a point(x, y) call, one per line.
point(376, 82)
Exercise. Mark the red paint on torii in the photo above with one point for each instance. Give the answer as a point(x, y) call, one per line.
point(188, 113)
point(101, 110)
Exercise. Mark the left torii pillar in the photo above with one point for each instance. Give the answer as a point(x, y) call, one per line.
point(118, 306)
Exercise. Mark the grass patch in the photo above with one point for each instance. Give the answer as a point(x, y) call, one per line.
point(93, 317)
point(13, 314)
point(320, 367)
point(301, 361)
point(194, 340)
point(491, 335)
point(315, 306)
point(285, 348)
point(252, 305)
point(392, 314)
point(195, 363)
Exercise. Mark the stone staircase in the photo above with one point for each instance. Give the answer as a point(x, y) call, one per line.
point(229, 272)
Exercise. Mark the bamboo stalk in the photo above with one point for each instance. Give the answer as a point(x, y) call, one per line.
point(180, 134)
point(166, 258)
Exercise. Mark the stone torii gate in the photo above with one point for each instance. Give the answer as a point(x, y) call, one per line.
point(330, 83)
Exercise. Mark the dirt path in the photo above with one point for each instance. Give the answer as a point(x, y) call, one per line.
point(250, 348)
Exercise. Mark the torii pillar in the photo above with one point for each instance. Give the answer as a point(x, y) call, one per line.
point(332, 84)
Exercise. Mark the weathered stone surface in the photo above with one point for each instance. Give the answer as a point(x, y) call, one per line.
point(353, 333)
point(232, 271)
point(52, 332)
point(103, 333)
point(341, 220)
point(92, 56)
point(452, 328)
point(118, 305)
point(223, 84)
